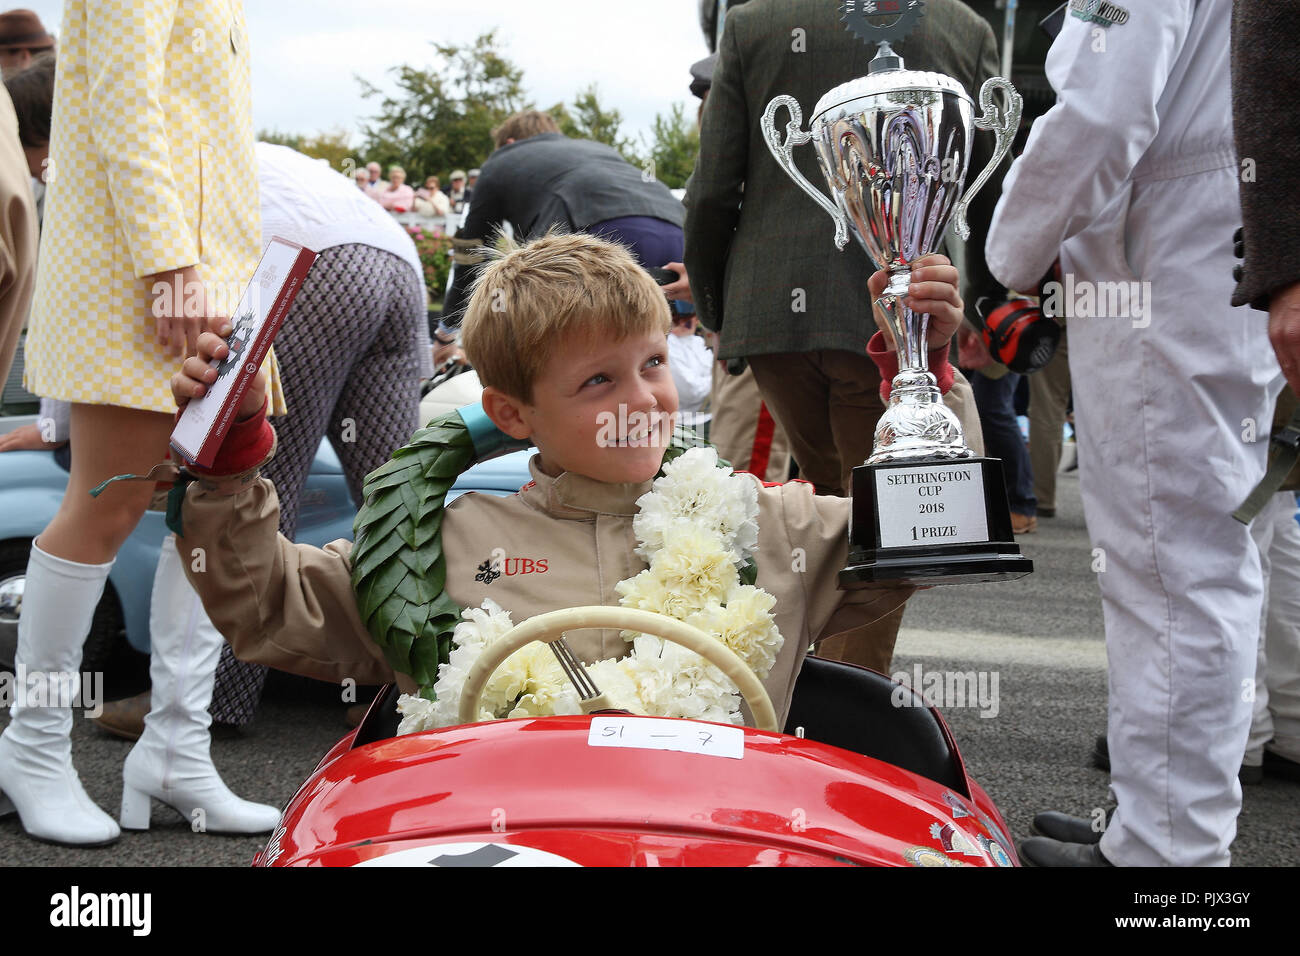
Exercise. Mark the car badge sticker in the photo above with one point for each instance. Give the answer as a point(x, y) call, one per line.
point(994, 850)
point(928, 856)
point(954, 840)
point(959, 808)
point(994, 829)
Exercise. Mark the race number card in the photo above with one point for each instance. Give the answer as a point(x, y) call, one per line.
point(657, 733)
point(931, 504)
point(205, 421)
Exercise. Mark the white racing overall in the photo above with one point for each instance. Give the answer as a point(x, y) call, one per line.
point(1132, 178)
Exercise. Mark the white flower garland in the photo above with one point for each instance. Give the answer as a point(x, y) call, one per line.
point(698, 527)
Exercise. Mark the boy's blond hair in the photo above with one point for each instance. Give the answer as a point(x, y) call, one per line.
point(532, 299)
point(522, 125)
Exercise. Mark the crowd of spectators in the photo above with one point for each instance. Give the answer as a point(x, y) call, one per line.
point(432, 200)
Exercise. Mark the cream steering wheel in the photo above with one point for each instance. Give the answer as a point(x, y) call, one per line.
point(552, 625)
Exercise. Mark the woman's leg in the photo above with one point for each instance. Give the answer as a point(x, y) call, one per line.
point(65, 579)
point(106, 441)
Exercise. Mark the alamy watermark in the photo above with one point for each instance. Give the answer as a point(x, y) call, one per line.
point(198, 299)
point(1083, 299)
point(78, 909)
point(634, 429)
point(948, 690)
point(53, 689)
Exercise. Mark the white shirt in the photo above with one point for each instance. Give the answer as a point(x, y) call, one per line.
point(691, 363)
point(307, 202)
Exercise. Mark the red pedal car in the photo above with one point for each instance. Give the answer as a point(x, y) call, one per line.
point(865, 774)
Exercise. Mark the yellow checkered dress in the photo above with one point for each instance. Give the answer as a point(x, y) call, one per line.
point(151, 168)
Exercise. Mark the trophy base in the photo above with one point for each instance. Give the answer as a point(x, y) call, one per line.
point(924, 567)
point(931, 522)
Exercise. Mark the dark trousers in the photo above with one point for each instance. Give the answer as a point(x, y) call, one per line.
point(994, 397)
point(828, 402)
point(653, 242)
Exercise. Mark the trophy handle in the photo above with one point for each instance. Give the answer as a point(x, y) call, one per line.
point(1003, 123)
point(795, 136)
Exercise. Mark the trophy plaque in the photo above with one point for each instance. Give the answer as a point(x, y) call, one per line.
point(894, 148)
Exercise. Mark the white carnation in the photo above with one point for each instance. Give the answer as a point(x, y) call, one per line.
point(745, 625)
point(484, 624)
point(695, 489)
point(547, 690)
point(647, 592)
point(694, 564)
point(613, 678)
point(675, 682)
point(479, 628)
point(417, 714)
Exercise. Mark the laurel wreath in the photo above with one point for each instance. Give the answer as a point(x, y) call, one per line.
point(399, 572)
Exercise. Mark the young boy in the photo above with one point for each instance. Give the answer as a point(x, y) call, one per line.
point(568, 335)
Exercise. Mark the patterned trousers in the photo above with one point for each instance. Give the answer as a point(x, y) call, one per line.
point(352, 351)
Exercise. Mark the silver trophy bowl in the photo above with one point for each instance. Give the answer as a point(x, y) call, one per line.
point(894, 148)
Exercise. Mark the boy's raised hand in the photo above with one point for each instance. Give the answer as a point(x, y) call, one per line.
point(197, 374)
point(934, 289)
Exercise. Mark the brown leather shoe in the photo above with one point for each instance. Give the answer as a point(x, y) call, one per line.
point(125, 718)
point(1023, 524)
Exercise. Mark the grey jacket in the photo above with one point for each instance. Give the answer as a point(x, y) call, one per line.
point(552, 180)
point(748, 260)
point(1266, 126)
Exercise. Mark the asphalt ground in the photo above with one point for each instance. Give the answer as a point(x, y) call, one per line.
point(1042, 635)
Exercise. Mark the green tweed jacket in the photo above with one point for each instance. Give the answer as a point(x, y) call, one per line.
point(1266, 123)
point(746, 260)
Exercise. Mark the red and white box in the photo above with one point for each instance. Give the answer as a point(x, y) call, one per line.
point(204, 423)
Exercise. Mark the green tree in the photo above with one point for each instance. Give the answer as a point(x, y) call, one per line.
point(673, 147)
point(441, 117)
point(587, 118)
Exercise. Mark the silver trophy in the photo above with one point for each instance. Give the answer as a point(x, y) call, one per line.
point(894, 147)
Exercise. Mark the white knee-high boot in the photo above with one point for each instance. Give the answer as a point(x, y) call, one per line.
point(36, 774)
point(171, 761)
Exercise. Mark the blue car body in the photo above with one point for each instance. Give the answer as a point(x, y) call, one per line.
point(32, 485)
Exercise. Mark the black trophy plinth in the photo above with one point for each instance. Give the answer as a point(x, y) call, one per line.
point(956, 512)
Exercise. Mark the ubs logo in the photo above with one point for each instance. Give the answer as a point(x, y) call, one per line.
point(498, 565)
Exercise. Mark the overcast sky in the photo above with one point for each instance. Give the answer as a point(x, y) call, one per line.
point(307, 52)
